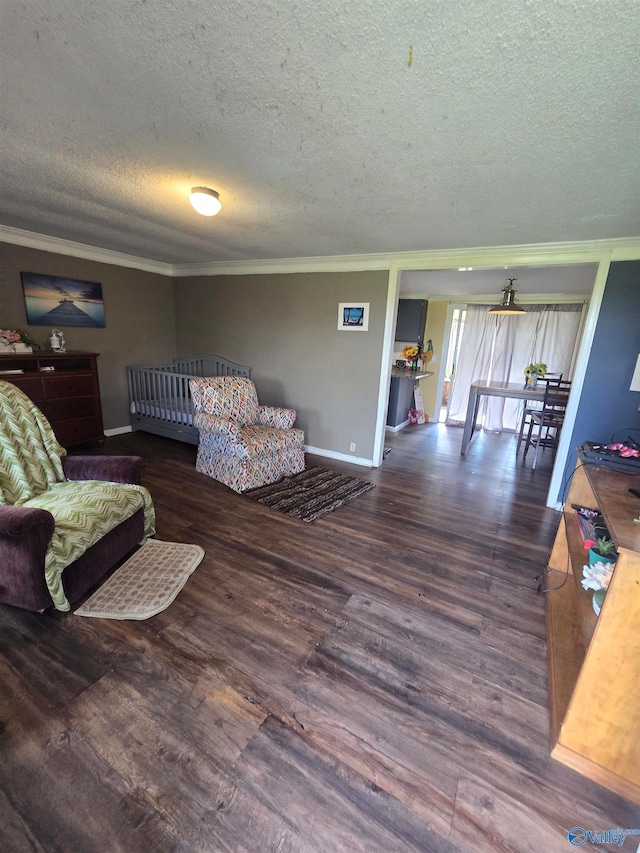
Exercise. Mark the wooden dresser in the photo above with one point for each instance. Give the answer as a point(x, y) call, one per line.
point(64, 386)
point(594, 662)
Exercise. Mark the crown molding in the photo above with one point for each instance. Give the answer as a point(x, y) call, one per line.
point(586, 251)
point(330, 263)
point(534, 254)
point(80, 250)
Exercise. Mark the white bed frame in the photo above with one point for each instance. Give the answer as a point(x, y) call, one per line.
point(159, 397)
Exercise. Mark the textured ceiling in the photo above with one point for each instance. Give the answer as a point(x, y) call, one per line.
point(334, 127)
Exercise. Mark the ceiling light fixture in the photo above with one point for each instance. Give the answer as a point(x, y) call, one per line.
point(507, 305)
point(205, 201)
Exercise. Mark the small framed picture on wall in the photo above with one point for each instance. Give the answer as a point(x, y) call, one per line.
point(353, 316)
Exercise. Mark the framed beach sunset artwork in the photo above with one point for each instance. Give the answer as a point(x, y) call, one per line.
point(55, 301)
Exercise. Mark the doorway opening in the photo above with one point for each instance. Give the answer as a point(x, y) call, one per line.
point(458, 318)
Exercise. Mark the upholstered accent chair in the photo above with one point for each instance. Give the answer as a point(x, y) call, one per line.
point(65, 521)
point(243, 444)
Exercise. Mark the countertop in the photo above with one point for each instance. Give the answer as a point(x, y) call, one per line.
point(407, 373)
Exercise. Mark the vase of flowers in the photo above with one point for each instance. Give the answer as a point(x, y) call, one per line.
point(15, 340)
point(412, 353)
point(532, 372)
point(597, 577)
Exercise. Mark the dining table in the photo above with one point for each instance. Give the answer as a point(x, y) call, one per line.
point(483, 388)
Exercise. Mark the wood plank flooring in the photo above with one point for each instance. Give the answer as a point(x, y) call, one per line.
point(375, 681)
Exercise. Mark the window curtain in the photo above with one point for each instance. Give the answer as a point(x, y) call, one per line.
point(498, 347)
point(474, 359)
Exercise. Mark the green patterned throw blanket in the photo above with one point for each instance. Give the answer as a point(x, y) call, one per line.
point(31, 475)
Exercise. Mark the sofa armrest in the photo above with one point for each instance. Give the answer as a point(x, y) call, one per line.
point(221, 426)
point(113, 469)
point(275, 417)
point(19, 521)
point(25, 533)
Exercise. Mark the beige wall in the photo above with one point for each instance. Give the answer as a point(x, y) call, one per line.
point(285, 328)
point(434, 330)
point(139, 319)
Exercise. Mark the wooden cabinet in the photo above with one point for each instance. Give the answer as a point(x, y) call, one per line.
point(594, 661)
point(64, 386)
point(412, 316)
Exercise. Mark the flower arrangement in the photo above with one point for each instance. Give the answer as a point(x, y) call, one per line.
point(10, 337)
point(411, 352)
point(538, 368)
point(597, 578)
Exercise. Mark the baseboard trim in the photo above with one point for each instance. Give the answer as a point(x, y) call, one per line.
point(118, 430)
point(397, 428)
point(342, 457)
point(317, 451)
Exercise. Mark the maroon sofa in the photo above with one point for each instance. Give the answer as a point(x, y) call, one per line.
point(25, 534)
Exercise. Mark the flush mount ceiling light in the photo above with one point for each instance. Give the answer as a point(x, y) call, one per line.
point(205, 201)
point(507, 305)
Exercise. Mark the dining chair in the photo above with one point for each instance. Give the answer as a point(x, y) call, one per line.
point(534, 406)
point(546, 424)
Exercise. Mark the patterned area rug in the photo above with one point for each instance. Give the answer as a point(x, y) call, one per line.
point(146, 584)
point(310, 494)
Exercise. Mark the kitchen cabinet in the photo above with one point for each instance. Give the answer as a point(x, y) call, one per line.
point(401, 394)
point(412, 316)
point(400, 401)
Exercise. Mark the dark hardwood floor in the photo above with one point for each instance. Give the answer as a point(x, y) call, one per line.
point(375, 681)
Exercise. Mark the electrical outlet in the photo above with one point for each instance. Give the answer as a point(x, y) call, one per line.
point(352, 446)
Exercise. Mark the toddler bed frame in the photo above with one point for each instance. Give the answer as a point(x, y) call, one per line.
point(159, 397)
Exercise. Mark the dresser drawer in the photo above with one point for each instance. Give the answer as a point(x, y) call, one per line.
point(78, 430)
point(31, 385)
point(64, 386)
point(66, 408)
point(56, 387)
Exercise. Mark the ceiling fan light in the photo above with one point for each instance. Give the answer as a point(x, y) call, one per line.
point(205, 201)
point(507, 304)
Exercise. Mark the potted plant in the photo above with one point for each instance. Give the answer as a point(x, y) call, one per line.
point(604, 551)
point(532, 371)
point(597, 577)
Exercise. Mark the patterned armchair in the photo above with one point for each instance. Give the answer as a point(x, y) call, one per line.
point(243, 444)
